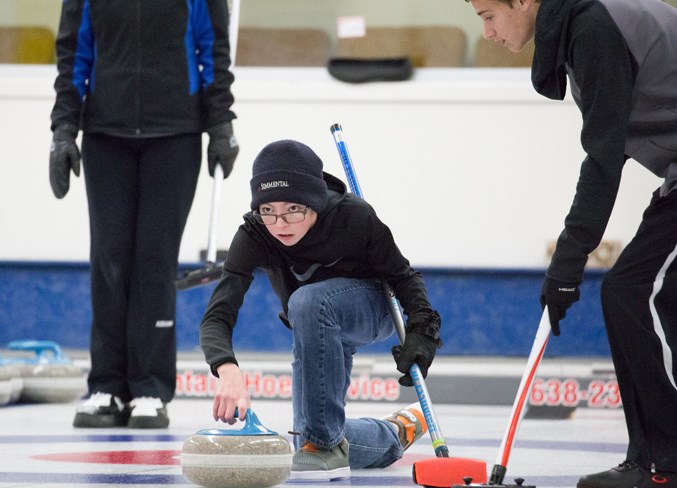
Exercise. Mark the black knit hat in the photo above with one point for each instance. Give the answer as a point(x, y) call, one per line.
point(288, 171)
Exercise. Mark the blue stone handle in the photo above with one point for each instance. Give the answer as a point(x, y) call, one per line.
point(45, 351)
point(252, 426)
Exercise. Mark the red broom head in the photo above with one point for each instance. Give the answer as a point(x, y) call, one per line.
point(444, 472)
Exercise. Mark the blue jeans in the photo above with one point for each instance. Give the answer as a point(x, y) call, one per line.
point(330, 320)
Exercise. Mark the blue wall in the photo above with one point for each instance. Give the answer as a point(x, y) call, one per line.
point(484, 312)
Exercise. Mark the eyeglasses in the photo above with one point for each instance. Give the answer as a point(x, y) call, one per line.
point(289, 217)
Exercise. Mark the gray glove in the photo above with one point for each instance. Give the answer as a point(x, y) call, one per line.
point(222, 149)
point(64, 156)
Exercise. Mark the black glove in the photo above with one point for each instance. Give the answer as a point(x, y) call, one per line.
point(558, 296)
point(222, 149)
point(418, 348)
point(63, 156)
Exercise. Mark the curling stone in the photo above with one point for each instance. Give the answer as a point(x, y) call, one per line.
point(49, 376)
point(16, 383)
point(230, 458)
point(5, 385)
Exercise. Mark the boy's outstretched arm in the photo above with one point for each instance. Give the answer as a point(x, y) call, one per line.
point(231, 394)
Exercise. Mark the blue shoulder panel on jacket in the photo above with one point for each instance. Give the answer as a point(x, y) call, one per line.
point(199, 41)
point(85, 53)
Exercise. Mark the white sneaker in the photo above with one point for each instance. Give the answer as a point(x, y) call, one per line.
point(101, 410)
point(148, 413)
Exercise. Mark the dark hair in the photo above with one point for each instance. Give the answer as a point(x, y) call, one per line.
point(507, 2)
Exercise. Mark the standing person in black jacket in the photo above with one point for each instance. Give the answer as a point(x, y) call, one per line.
point(620, 57)
point(324, 251)
point(142, 79)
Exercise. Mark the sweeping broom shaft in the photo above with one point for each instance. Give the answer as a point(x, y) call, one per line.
point(439, 444)
point(521, 399)
point(417, 377)
point(337, 132)
point(213, 216)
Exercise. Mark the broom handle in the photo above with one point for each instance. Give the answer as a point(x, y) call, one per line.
point(439, 445)
point(521, 399)
point(233, 30)
point(214, 212)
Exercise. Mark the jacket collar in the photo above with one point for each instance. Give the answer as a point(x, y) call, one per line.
point(548, 70)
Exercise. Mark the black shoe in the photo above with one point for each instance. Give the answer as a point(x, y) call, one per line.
point(628, 475)
point(101, 410)
point(148, 413)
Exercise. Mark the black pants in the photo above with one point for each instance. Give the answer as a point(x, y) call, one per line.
point(639, 301)
point(139, 193)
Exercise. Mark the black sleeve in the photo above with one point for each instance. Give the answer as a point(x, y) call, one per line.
point(602, 67)
point(215, 59)
point(70, 87)
point(218, 322)
point(407, 283)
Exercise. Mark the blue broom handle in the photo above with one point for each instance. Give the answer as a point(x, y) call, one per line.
point(439, 445)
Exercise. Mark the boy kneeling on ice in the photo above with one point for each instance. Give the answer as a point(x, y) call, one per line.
point(324, 251)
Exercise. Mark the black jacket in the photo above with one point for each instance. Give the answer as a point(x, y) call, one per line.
point(621, 63)
point(348, 240)
point(143, 67)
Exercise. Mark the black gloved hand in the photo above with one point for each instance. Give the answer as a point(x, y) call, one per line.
point(558, 296)
point(63, 156)
point(418, 348)
point(222, 149)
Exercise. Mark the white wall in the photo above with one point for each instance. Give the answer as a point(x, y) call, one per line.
point(469, 167)
point(294, 13)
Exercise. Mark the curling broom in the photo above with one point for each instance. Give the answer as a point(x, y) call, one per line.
point(442, 471)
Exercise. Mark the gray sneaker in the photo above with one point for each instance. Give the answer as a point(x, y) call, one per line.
point(313, 463)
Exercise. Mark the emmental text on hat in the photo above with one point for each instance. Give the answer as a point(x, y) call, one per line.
point(273, 184)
